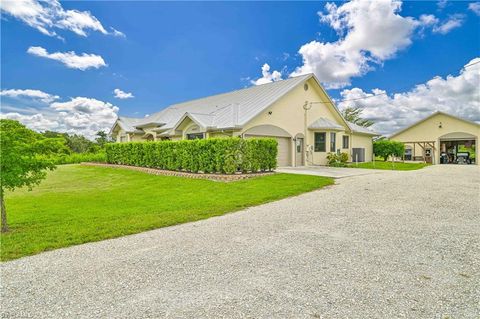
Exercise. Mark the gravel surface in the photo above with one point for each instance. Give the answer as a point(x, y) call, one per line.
point(391, 245)
point(335, 172)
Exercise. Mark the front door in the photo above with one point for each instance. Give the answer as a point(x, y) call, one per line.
point(299, 153)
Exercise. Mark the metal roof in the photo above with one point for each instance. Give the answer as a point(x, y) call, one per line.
point(227, 110)
point(128, 124)
point(361, 129)
point(325, 124)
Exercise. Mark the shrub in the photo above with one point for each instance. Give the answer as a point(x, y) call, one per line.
point(79, 157)
point(337, 160)
point(216, 155)
point(386, 148)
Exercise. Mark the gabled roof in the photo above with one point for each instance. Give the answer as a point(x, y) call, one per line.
point(127, 124)
point(325, 124)
point(226, 110)
point(429, 117)
point(361, 129)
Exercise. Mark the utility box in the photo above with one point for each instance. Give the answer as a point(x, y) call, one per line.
point(358, 155)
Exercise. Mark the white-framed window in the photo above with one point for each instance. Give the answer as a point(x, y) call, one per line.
point(320, 141)
point(345, 141)
point(195, 136)
point(333, 141)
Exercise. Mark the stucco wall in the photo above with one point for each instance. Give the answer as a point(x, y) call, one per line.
point(364, 141)
point(288, 114)
point(430, 130)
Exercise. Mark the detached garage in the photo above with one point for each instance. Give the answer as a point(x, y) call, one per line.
point(284, 157)
point(441, 138)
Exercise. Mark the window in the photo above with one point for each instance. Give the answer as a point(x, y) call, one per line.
point(194, 136)
point(345, 141)
point(320, 141)
point(123, 138)
point(333, 138)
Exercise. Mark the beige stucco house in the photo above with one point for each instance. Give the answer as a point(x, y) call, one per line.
point(440, 138)
point(297, 112)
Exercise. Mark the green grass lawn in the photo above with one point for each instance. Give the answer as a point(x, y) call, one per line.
point(397, 166)
point(78, 204)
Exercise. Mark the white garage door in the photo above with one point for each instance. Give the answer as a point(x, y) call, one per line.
point(283, 156)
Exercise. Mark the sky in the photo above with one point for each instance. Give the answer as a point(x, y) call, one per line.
point(74, 66)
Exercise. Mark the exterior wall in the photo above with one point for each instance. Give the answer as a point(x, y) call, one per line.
point(119, 134)
point(136, 138)
point(220, 134)
point(129, 137)
point(429, 130)
point(288, 114)
point(363, 141)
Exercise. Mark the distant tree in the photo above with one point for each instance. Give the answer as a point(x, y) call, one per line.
point(353, 115)
point(53, 134)
point(24, 159)
point(79, 143)
point(386, 148)
point(102, 138)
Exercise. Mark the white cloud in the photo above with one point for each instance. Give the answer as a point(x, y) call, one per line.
point(267, 76)
point(70, 59)
point(428, 20)
point(34, 94)
point(458, 95)
point(119, 94)
point(475, 7)
point(369, 33)
point(45, 16)
point(441, 4)
point(453, 22)
point(37, 122)
point(117, 33)
point(80, 115)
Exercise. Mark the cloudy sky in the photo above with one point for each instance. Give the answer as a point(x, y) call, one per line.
point(74, 66)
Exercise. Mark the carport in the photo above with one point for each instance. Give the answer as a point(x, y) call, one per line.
point(457, 148)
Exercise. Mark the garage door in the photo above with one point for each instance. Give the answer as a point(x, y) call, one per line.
point(283, 156)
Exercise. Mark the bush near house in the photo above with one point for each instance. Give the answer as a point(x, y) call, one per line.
point(216, 155)
point(337, 160)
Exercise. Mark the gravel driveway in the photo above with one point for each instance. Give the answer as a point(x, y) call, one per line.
point(391, 245)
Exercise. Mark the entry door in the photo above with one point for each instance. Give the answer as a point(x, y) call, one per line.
point(299, 153)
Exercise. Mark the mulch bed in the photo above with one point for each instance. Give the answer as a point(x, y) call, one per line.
point(154, 171)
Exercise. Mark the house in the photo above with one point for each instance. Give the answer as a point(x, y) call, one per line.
point(297, 112)
point(440, 138)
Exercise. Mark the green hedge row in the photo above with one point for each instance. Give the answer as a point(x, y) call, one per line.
point(216, 155)
point(80, 157)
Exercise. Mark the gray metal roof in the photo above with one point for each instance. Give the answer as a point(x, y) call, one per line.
point(128, 124)
point(325, 124)
point(227, 110)
point(362, 129)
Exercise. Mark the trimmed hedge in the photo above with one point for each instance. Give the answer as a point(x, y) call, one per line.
point(80, 157)
point(215, 155)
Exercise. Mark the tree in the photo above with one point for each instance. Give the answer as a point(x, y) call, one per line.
point(79, 143)
point(102, 138)
point(353, 115)
point(386, 148)
point(25, 158)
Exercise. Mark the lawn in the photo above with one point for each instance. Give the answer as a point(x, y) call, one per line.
point(397, 166)
point(79, 204)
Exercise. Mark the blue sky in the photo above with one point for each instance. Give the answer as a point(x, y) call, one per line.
point(167, 52)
